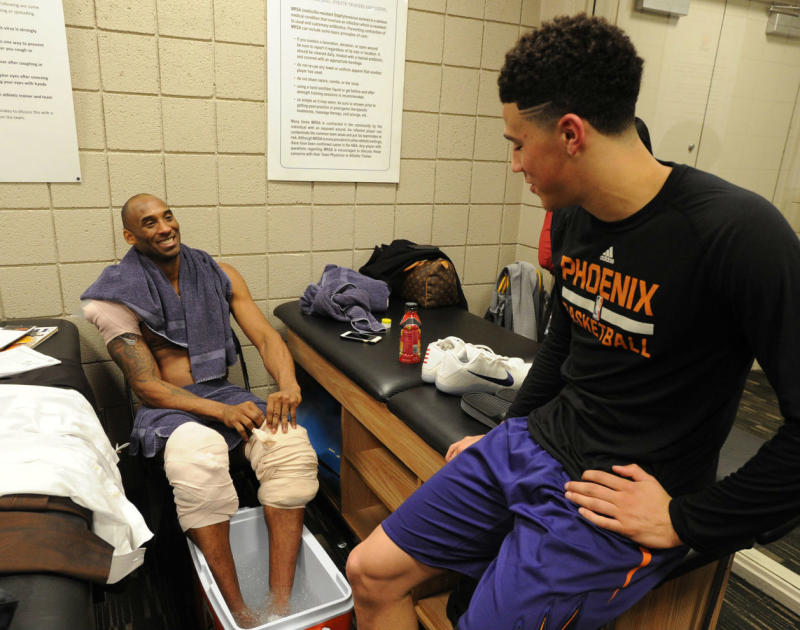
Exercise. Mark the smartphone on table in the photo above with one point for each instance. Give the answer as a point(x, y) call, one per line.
point(353, 335)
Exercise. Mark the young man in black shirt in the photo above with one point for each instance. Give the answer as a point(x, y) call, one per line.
point(669, 281)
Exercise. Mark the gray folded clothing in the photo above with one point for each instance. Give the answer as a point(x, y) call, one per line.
point(348, 296)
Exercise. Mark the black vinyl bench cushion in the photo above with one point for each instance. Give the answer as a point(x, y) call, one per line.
point(374, 367)
point(436, 417)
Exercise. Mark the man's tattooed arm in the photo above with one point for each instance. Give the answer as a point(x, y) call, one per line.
point(137, 363)
point(133, 356)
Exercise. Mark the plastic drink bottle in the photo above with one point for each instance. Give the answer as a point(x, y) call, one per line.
point(410, 335)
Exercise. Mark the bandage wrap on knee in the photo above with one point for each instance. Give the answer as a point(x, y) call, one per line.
point(196, 463)
point(286, 467)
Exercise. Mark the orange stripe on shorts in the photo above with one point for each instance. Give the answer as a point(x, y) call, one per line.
point(646, 558)
point(571, 619)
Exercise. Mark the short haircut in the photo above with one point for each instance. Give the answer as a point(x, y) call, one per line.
point(577, 64)
point(126, 208)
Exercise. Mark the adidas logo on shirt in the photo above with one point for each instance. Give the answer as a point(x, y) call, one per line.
point(608, 255)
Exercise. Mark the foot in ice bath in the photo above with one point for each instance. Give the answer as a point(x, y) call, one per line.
point(246, 618)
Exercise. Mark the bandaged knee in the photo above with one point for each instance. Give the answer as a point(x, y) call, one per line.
point(286, 467)
point(196, 463)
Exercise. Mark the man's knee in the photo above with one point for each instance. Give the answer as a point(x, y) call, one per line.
point(379, 571)
point(353, 568)
point(286, 467)
point(196, 463)
point(362, 578)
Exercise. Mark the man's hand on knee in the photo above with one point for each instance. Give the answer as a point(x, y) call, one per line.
point(462, 444)
point(243, 417)
point(281, 408)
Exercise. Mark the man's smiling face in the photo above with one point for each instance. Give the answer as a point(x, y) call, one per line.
point(152, 229)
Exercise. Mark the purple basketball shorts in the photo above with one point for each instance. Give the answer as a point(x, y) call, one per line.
point(497, 513)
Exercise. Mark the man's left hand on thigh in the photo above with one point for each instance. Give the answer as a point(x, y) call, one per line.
point(631, 502)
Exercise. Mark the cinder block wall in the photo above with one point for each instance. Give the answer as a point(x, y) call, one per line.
point(170, 98)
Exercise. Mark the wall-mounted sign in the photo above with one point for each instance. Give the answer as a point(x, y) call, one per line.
point(37, 119)
point(335, 77)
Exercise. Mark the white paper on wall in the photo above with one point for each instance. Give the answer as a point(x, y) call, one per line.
point(335, 78)
point(37, 119)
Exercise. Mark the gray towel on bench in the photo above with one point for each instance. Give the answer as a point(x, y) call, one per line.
point(348, 296)
point(198, 319)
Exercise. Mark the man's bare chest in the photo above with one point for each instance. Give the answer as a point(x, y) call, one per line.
point(173, 361)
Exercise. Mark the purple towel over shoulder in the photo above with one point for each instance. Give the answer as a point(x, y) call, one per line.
point(348, 296)
point(198, 319)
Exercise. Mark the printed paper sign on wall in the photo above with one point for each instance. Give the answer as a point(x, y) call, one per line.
point(335, 76)
point(37, 119)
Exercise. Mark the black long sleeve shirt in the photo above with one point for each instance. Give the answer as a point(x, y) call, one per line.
point(657, 319)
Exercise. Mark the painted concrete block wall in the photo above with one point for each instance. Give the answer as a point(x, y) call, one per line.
point(170, 98)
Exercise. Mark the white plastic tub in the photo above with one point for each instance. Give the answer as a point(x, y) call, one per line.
point(320, 591)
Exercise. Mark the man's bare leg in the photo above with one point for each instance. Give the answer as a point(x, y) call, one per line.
point(214, 542)
point(285, 529)
point(382, 576)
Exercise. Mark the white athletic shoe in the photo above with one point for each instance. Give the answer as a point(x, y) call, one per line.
point(437, 350)
point(434, 354)
point(482, 372)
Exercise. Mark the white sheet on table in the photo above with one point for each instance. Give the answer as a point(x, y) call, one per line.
point(51, 442)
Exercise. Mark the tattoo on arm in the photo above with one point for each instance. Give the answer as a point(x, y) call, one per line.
point(134, 358)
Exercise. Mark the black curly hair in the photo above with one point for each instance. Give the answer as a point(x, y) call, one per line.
point(577, 64)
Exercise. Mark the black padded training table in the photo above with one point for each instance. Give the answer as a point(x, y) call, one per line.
point(374, 367)
point(385, 396)
point(64, 346)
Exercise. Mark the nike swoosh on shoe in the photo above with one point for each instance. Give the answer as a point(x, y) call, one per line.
point(508, 381)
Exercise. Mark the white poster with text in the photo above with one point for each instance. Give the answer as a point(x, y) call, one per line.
point(335, 79)
point(37, 119)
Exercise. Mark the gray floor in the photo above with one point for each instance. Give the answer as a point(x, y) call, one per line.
point(747, 608)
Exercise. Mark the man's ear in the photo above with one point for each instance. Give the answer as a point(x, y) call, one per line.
point(130, 239)
point(573, 133)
